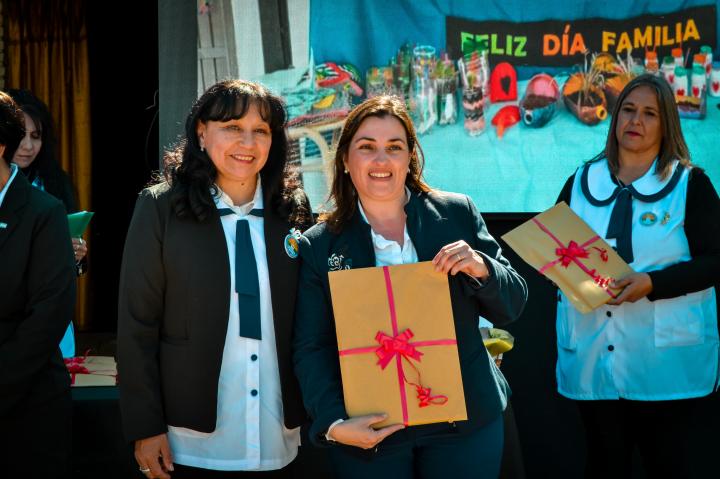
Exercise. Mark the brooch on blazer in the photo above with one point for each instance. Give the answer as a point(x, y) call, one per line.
point(338, 262)
point(3, 225)
point(292, 247)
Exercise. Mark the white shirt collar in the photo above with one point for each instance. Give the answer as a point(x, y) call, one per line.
point(13, 174)
point(222, 200)
point(601, 185)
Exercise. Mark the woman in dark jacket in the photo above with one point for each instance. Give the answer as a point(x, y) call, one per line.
point(37, 158)
point(386, 214)
point(207, 297)
point(37, 299)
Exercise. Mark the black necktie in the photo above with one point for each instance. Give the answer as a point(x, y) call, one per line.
point(247, 285)
point(620, 226)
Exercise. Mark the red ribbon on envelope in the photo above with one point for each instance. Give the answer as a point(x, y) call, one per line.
point(75, 366)
point(571, 254)
point(390, 346)
point(398, 346)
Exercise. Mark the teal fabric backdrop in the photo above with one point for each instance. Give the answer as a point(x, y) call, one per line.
point(525, 170)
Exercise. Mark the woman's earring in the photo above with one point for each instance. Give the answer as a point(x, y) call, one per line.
point(346, 171)
point(202, 148)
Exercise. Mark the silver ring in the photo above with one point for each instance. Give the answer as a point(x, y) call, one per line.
point(144, 470)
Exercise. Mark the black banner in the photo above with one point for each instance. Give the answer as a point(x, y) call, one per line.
point(561, 43)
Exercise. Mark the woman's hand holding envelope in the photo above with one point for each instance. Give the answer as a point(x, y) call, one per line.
point(358, 431)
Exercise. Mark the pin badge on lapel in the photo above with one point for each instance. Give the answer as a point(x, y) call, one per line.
point(648, 218)
point(292, 246)
point(338, 262)
point(3, 225)
point(665, 219)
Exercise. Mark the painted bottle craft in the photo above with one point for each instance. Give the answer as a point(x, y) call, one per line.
point(539, 102)
point(423, 90)
point(715, 79)
point(473, 68)
point(585, 99)
point(474, 109)
point(616, 74)
point(446, 81)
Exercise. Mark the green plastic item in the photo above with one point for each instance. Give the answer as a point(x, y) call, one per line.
point(78, 222)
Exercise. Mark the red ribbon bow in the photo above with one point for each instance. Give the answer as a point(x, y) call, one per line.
point(427, 399)
point(75, 365)
point(390, 346)
point(572, 251)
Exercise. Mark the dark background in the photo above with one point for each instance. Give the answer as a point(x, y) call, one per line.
point(123, 58)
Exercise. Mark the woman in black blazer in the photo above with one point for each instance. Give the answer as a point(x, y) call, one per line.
point(386, 214)
point(207, 296)
point(37, 300)
point(37, 158)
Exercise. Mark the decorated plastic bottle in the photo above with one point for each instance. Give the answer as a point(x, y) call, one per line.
point(474, 105)
point(446, 83)
point(680, 85)
point(715, 79)
point(423, 92)
point(638, 68)
point(668, 69)
point(651, 62)
point(707, 51)
point(485, 69)
point(698, 81)
point(677, 55)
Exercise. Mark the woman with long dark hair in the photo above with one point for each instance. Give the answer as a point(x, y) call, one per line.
point(385, 214)
point(207, 296)
point(637, 366)
point(37, 158)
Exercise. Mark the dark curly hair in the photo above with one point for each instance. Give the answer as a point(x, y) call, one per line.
point(45, 165)
point(12, 126)
point(191, 173)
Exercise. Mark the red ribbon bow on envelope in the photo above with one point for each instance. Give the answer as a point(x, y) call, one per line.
point(568, 255)
point(390, 346)
point(571, 254)
point(399, 347)
point(76, 366)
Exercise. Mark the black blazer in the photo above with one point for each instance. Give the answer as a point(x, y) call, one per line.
point(173, 314)
point(433, 220)
point(37, 296)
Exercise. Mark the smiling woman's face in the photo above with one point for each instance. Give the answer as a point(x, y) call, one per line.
point(378, 159)
point(238, 148)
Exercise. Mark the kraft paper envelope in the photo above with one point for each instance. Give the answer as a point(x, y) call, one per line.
point(560, 245)
point(421, 382)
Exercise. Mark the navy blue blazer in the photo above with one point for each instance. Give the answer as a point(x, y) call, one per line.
point(434, 220)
